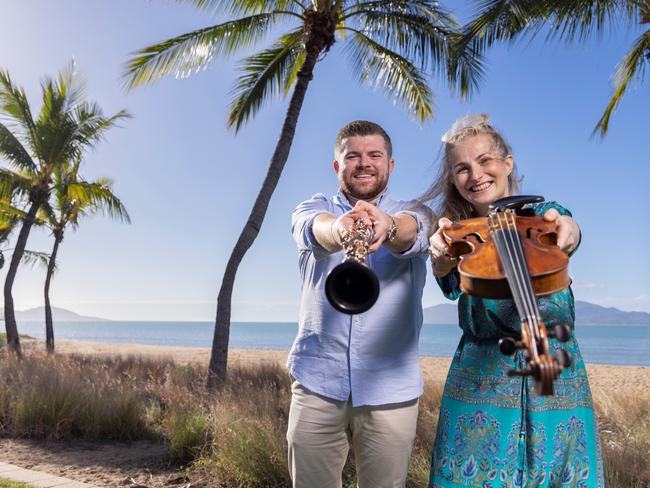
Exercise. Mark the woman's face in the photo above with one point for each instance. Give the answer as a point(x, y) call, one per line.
point(479, 172)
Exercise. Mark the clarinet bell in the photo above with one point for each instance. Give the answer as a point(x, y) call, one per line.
point(352, 288)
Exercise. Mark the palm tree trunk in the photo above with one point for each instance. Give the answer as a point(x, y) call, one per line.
point(10, 316)
point(219, 355)
point(49, 328)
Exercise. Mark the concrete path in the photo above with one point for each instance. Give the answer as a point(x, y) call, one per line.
point(38, 479)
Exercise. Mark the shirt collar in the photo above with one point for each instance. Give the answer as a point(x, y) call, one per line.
point(342, 200)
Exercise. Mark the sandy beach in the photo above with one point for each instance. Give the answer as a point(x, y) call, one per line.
point(142, 464)
point(602, 377)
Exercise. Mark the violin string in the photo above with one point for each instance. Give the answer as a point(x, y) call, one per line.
point(515, 274)
point(529, 293)
point(508, 262)
point(520, 273)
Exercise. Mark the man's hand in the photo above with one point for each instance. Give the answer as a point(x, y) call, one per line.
point(344, 222)
point(441, 262)
point(568, 232)
point(380, 221)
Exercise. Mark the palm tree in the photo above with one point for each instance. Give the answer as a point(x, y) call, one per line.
point(8, 218)
point(66, 126)
point(390, 43)
point(569, 20)
point(73, 199)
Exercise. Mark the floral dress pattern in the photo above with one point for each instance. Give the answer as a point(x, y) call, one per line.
point(495, 431)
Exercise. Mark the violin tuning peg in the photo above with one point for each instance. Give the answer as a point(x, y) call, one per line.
point(561, 332)
point(507, 346)
point(564, 358)
point(520, 372)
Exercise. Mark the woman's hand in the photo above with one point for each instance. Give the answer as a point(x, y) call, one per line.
point(568, 232)
point(441, 262)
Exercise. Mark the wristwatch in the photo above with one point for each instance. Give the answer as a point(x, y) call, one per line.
point(392, 231)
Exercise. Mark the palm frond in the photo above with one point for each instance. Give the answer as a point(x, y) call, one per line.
point(46, 215)
point(9, 217)
point(193, 51)
point(399, 78)
point(13, 151)
point(8, 211)
point(292, 75)
point(265, 74)
point(418, 34)
point(60, 95)
point(14, 184)
point(579, 20)
point(634, 64)
point(96, 197)
point(34, 258)
point(502, 20)
point(247, 6)
point(91, 125)
point(466, 65)
point(15, 106)
point(81, 128)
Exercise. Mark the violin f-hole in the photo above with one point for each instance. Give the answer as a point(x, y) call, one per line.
point(545, 238)
point(459, 248)
point(548, 239)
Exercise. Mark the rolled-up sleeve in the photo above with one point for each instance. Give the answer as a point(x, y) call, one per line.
point(302, 220)
point(450, 285)
point(423, 216)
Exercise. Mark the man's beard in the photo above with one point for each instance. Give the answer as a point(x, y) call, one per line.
point(368, 195)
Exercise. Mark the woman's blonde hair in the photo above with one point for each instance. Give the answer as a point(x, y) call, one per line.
point(442, 195)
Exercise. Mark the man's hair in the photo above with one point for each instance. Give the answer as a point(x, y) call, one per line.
point(362, 128)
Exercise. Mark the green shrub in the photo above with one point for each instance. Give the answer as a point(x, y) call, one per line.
point(188, 434)
point(248, 452)
point(5, 483)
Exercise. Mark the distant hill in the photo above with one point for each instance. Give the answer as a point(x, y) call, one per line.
point(38, 315)
point(586, 314)
point(590, 313)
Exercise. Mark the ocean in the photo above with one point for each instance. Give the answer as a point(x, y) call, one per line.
point(605, 344)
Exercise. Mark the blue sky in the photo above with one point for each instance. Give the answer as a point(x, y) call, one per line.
point(189, 183)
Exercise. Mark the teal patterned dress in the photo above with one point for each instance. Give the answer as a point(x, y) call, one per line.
point(497, 432)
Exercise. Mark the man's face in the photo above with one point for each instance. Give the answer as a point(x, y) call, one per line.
point(363, 167)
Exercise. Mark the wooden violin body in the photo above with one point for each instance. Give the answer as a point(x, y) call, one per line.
point(481, 270)
point(509, 255)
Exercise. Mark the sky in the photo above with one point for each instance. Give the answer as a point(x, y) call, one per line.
point(189, 183)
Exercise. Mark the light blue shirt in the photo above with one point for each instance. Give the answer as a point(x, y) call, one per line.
point(373, 356)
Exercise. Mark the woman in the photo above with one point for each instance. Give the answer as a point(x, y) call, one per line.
point(495, 430)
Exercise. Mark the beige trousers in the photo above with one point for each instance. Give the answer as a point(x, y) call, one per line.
point(320, 430)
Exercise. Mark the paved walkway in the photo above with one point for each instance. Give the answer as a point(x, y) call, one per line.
point(36, 478)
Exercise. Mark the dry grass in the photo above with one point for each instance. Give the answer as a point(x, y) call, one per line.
point(5, 483)
point(624, 422)
point(238, 435)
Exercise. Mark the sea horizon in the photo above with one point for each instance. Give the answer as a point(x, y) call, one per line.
point(621, 344)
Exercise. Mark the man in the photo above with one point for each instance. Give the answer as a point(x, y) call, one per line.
point(357, 377)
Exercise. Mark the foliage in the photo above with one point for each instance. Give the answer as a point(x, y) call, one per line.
point(75, 198)
point(5, 483)
point(238, 437)
point(391, 44)
point(188, 431)
point(34, 148)
point(567, 20)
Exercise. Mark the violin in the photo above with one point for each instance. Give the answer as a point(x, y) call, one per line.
point(512, 253)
